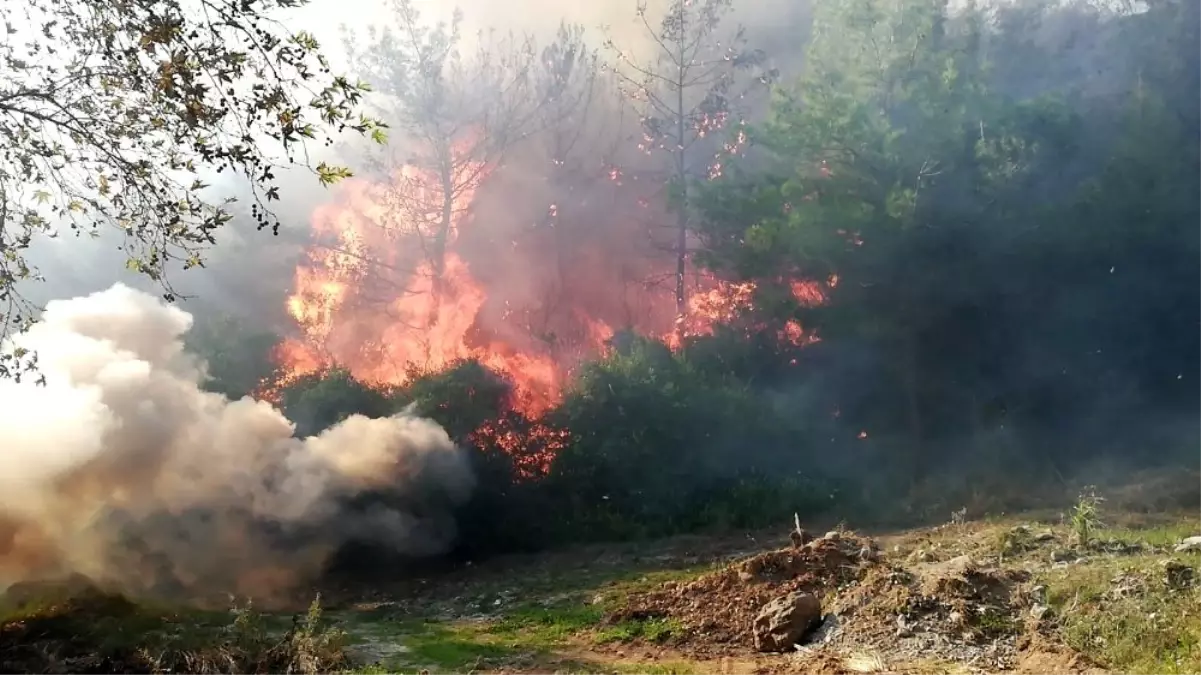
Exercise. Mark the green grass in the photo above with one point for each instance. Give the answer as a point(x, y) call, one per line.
point(1164, 535)
point(546, 626)
point(1151, 628)
point(112, 624)
point(531, 633)
point(652, 630)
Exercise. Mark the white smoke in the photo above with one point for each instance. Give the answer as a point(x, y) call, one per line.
point(121, 468)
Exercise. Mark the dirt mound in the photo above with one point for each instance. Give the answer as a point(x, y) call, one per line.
point(717, 611)
point(956, 611)
point(876, 615)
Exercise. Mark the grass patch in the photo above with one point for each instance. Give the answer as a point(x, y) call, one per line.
point(112, 623)
point(1162, 535)
point(1124, 614)
point(546, 626)
point(651, 630)
point(529, 633)
point(455, 647)
point(86, 630)
point(616, 593)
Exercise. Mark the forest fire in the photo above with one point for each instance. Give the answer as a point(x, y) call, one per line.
point(365, 302)
point(389, 289)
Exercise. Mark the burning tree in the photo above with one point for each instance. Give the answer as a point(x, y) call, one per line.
point(574, 154)
point(112, 112)
point(457, 115)
point(687, 91)
point(567, 79)
point(455, 255)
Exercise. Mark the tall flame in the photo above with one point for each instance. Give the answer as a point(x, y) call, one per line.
point(361, 301)
point(383, 293)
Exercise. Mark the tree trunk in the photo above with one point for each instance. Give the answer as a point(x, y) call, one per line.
point(682, 215)
point(441, 241)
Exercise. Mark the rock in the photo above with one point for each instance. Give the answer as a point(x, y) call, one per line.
point(921, 555)
point(1189, 545)
point(1038, 611)
point(1063, 556)
point(1178, 574)
point(833, 535)
point(825, 631)
point(1044, 536)
point(784, 621)
point(955, 618)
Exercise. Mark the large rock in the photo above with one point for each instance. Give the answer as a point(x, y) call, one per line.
point(784, 621)
point(1190, 544)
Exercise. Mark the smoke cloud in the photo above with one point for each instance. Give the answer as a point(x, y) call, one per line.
point(121, 468)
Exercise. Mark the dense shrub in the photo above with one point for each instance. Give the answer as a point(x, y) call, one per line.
point(318, 401)
point(238, 357)
point(643, 444)
point(659, 447)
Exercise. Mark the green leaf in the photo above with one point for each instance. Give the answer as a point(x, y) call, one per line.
point(328, 175)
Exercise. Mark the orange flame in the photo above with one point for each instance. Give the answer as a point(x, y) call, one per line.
point(383, 293)
point(361, 303)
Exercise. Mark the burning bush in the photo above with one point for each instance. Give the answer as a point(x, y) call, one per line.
point(645, 443)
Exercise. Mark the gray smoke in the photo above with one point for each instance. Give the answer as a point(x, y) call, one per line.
point(121, 468)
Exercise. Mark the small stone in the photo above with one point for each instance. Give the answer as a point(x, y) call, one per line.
point(833, 535)
point(921, 555)
point(1038, 611)
point(1044, 536)
point(1063, 556)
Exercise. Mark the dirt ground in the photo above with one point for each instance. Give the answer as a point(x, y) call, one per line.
point(1013, 595)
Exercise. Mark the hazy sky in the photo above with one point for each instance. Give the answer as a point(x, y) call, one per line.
point(75, 266)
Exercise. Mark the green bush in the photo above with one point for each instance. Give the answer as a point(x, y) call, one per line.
point(644, 444)
point(318, 401)
point(239, 358)
point(660, 447)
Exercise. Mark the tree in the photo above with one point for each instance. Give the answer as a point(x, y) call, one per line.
point(456, 114)
point(880, 165)
point(577, 157)
point(687, 92)
point(113, 112)
point(567, 79)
